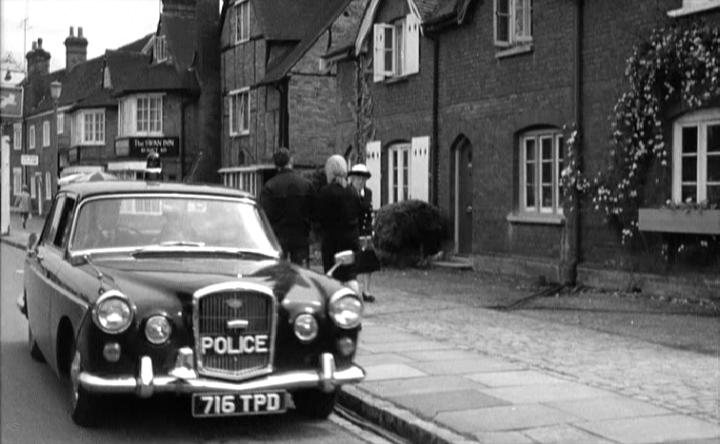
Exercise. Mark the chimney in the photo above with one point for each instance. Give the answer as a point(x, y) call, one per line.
point(38, 60)
point(183, 8)
point(75, 49)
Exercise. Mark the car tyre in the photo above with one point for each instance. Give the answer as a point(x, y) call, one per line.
point(314, 403)
point(83, 405)
point(35, 352)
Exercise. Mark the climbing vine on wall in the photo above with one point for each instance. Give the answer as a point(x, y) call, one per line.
point(676, 64)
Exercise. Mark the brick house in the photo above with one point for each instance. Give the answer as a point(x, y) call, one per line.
point(157, 93)
point(276, 91)
point(490, 96)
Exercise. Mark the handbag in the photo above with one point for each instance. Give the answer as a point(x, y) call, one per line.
point(366, 261)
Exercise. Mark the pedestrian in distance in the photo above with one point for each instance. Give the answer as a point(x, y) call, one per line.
point(337, 214)
point(359, 174)
point(287, 199)
point(23, 204)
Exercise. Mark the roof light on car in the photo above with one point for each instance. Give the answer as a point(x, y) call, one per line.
point(113, 313)
point(345, 308)
point(157, 329)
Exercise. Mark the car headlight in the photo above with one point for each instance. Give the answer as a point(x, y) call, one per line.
point(157, 329)
point(306, 327)
point(113, 313)
point(345, 308)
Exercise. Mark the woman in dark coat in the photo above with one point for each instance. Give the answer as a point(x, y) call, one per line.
point(337, 213)
point(359, 174)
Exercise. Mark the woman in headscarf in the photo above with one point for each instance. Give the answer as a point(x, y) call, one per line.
point(337, 213)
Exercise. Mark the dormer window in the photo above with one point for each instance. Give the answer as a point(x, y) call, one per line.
point(242, 21)
point(396, 48)
point(160, 50)
point(513, 23)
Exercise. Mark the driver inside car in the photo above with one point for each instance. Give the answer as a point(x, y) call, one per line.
point(98, 223)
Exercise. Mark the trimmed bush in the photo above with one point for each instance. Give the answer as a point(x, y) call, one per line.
point(408, 232)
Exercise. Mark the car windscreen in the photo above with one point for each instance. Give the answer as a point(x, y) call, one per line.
point(145, 220)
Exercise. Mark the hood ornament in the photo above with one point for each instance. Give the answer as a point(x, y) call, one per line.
point(234, 304)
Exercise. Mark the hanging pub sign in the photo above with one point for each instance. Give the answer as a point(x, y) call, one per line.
point(11, 100)
point(164, 146)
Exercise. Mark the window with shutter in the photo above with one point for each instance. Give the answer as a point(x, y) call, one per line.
point(396, 48)
point(372, 161)
point(419, 166)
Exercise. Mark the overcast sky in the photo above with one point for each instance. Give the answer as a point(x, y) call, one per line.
point(107, 24)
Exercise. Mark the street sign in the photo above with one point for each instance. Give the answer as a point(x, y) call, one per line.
point(11, 101)
point(29, 160)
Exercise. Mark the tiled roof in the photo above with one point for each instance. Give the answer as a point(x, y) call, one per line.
point(134, 72)
point(81, 86)
point(323, 19)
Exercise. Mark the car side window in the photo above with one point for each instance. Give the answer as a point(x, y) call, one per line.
point(63, 230)
point(51, 223)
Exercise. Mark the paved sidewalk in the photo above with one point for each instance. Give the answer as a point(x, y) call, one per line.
point(441, 369)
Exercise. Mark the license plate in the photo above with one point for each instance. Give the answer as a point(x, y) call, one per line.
point(238, 404)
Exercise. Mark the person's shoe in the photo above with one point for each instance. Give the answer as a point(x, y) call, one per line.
point(368, 297)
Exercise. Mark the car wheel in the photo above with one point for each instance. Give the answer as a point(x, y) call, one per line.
point(314, 403)
point(83, 405)
point(35, 352)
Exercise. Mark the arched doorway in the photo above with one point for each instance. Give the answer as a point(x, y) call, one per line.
point(461, 192)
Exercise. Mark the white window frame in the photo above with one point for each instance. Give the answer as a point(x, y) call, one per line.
point(396, 49)
point(538, 137)
point(60, 122)
point(399, 174)
point(17, 136)
point(242, 21)
point(17, 180)
point(700, 120)
point(96, 136)
point(235, 124)
point(154, 125)
point(31, 137)
point(160, 48)
point(516, 35)
point(46, 133)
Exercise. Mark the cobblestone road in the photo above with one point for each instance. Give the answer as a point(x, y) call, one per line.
point(685, 381)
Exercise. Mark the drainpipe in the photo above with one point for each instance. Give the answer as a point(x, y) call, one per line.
point(570, 248)
point(284, 87)
point(435, 124)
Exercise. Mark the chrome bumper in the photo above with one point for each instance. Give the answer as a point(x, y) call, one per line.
point(184, 379)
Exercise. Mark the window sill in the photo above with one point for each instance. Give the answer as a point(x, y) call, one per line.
point(535, 218)
point(243, 134)
point(397, 79)
point(692, 10)
point(513, 51)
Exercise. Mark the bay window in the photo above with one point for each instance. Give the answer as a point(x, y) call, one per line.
point(141, 115)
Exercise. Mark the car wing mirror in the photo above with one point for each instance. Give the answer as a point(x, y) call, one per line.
point(345, 257)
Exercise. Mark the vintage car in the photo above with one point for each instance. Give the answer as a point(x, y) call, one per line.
point(145, 288)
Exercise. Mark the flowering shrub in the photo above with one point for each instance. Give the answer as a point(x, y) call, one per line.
point(676, 64)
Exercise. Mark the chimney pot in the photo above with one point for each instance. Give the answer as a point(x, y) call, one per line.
point(72, 32)
point(79, 31)
point(39, 44)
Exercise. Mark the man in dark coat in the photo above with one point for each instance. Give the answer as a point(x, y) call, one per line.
point(287, 201)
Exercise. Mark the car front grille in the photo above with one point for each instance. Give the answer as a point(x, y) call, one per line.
point(234, 330)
